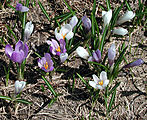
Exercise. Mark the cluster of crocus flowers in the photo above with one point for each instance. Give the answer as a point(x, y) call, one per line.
point(86, 23)
point(99, 83)
point(66, 30)
point(46, 63)
point(19, 85)
point(20, 52)
point(21, 8)
point(28, 30)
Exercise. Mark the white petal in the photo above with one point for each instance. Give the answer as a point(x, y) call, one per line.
point(112, 52)
point(106, 82)
point(73, 21)
point(63, 57)
point(95, 78)
point(69, 35)
point(103, 75)
point(82, 52)
point(93, 84)
point(65, 29)
point(120, 31)
point(58, 35)
point(19, 86)
point(126, 17)
point(100, 87)
point(107, 17)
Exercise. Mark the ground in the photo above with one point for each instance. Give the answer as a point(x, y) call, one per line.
point(76, 104)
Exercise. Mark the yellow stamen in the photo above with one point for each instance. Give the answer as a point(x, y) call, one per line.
point(101, 83)
point(63, 36)
point(46, 65)
point(58, 49)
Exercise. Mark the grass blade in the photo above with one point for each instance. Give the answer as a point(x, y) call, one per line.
point(5, 98)
point(23, 101)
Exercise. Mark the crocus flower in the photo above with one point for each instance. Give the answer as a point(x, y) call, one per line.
point(111, 54)
point(65, 32)
point(99, 83)
point(135, 63)
point(96, 56)
point(107, 17)
point(86, 23)
point(21, 8)
point(120, 31)
point(73, 21)
point(55, 48)
point(46, 63)
point(20, 53)
point(19, 85)
point(28, 30)
point(82, 52)
point(126, 17)
point(63, 57)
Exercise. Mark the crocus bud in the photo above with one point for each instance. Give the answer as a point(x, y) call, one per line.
point(73, 21)
point(82, 52)
point(126, 17)
point(21, 8)
point(96, 56)
point(28, 30)
point(120, 31)
point(111, 54)
point(19, 86)
point(63, 57)
point(135, 63)
point(86, 23)
point(107, 17)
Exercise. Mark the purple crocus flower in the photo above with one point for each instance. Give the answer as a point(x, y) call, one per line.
point(135, 63)
point(111, 54)
point(46, 63)
point(55, 48)
point(20, 52)
point(21, 8)
point(86, 23)
point(96, 56)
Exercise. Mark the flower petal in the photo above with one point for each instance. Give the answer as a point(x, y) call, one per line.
point(100, 87)
point(103, 75)
point(63, 57)
point(24, 9)
point(82, 52)
point(86, 23)
point(18, 45)
point(135, 63)
point(95, 78)
point(107, 17)
point(106, 82)
point(120, 31)
point(93, 84)
point(17, 56)
point(58, 35)
point(73, 21)
point(69, 35)
point(8, 50)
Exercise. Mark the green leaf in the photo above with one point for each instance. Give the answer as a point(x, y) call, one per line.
point(23, 101)
point(5, 98)
point(111, 101)
point(65, 18)
point(43, 10)
point(73, 13)
point(87, 85)
point(108, 4)
point(10, 30)
point(52, 101)
point(94, 7)
point(49, 86)
point(104, 67)
point(114, 88)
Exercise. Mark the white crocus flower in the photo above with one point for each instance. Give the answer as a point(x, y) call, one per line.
point(99, 83)
point(63, 57)
point(126, 17)
point(65, 32)
point(82, 52)
point(120, 31)
point(107, 17)
point(19, 86)
point(73, 21)
point(28, 30)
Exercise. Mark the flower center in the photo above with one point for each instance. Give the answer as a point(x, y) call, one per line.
point(58, 49)
point(63, 35)
point(101, 83)
point(46, 65)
